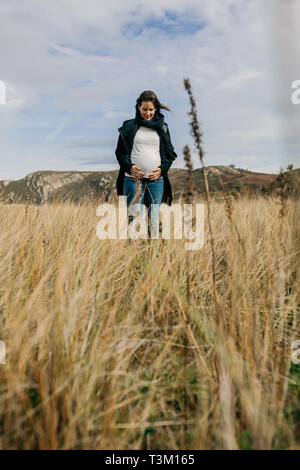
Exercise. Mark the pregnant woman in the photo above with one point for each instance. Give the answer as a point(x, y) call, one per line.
point(145, 152)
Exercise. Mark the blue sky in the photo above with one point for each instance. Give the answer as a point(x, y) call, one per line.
point(73, 71)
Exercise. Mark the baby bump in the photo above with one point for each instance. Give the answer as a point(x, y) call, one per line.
point(146, 163)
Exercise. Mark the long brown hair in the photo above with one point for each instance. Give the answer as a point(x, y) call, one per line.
point(149, 95)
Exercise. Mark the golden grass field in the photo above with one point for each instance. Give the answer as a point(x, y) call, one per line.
point(111, 345)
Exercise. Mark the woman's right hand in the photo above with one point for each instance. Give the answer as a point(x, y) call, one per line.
point(136, 172)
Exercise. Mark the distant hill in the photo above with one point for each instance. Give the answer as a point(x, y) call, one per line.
point(224, 179)
point(49, 186)
point(288, 181)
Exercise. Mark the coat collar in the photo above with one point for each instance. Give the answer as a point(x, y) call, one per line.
point(131, 126)
point(128, 126)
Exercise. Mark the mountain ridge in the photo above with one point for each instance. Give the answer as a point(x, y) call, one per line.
point(50, 185)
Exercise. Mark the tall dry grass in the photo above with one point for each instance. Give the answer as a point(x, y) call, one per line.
point(108, 349)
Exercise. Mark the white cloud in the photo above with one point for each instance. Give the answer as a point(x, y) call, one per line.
point(239, 79)
point(56, 131)
point(90, 61)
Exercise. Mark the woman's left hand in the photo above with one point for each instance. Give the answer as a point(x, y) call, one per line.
point(155, 174)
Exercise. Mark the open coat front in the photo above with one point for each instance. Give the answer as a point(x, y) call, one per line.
point(123, 152)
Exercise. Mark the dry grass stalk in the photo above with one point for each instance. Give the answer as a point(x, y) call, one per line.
point(197, 134)
point(282, 193)
point(94, 335)
point(188, 199)
point(26, 205)
point(189, 192)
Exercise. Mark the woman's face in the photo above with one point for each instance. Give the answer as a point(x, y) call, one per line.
point(147, 110)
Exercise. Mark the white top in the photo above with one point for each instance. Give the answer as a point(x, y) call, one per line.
point(145, 150)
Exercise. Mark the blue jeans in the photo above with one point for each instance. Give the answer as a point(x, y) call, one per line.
point(152, 193)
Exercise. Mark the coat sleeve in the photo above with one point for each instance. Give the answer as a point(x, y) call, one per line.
point(123, 159)
point(170, 155)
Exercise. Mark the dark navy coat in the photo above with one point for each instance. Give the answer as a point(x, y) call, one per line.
point(123, 152)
